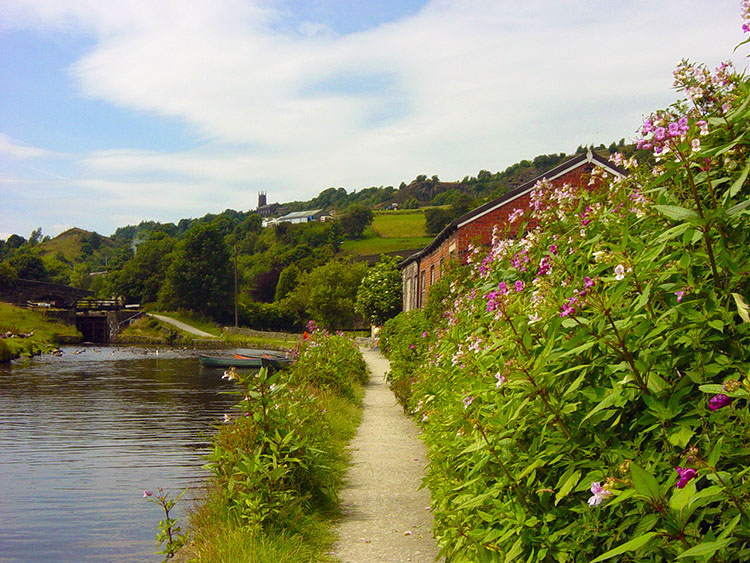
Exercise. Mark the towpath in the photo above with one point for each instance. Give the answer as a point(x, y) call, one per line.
point(386, 519)
point(182, 326)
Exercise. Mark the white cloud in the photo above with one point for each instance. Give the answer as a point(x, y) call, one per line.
point(457, 87)
point(12, 148)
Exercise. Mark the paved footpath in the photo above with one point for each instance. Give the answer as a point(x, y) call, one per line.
point(182, 326)
point(386, 519)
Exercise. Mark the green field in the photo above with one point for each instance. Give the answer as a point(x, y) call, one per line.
point(391, 231)
point(399, 224)
point(377, 245)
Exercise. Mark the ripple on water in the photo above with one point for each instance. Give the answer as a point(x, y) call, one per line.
point(84, 434)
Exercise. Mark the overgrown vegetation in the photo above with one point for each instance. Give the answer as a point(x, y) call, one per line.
point(586, 398)
point(40, 332)
point(278, 461)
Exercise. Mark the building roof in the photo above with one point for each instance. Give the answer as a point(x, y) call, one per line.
point(299, 214)
point(508, 197)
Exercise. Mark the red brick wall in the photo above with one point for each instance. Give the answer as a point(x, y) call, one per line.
point(479, 231)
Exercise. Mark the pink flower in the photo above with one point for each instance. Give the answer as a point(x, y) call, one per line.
point(686, 475)
point(599, 494)
point(519, 285)
point(502, 289)
point(680, 294)
point(467, 401)
point(147, 494)
point(719, 402)
point(501, 380)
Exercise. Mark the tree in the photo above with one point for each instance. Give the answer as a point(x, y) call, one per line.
point(201, 276)
point(435, 219)
point(328, 293)
point(8, 275)
point(355, 219)
point(29, 266)
point(142, 277)
point(379, 296)
point(287, 281)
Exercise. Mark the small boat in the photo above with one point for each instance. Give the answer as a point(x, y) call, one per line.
point(258, 352)
point(227, 362)
point(275, 363)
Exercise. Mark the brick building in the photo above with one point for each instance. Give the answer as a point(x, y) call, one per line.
point(421, 270)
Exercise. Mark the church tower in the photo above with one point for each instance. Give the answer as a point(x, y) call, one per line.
point(261, 199)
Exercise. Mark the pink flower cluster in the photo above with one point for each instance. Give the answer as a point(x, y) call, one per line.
point(746, 16)
point(569, 307)
point(659, 130)
point(686, 474)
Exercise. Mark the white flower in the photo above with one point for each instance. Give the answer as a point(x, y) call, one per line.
point(619, 272)
point(599, 494)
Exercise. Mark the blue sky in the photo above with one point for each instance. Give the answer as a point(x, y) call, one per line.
point(121, 111)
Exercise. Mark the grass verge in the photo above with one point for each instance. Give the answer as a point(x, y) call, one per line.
point(47, 332)
point(278, 466)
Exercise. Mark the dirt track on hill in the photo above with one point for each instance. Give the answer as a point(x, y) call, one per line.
point(385, 517)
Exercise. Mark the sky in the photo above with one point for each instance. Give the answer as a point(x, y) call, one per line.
point(116, 112)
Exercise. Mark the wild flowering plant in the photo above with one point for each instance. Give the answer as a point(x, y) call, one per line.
point(587, 396)
point(169, 535)
point(273, 460)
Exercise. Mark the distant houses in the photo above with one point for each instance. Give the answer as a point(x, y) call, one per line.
point(301, 217)
point(422, 269)
point(267, 210)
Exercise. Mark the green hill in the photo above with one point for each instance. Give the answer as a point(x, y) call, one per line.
point(391, 231)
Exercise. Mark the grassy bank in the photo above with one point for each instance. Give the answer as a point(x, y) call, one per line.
point(148, 330)
point(45, 333)
point(279, 461)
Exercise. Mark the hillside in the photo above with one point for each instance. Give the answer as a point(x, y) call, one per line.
point(77, 245)
point(391, 232)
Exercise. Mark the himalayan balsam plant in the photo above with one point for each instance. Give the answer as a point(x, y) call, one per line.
point(587, 396)
point(272, 459)
point(169, 535)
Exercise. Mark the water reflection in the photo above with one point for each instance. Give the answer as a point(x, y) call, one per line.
point(82, 435)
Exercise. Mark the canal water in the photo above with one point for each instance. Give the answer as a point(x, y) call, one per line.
point(82, 436)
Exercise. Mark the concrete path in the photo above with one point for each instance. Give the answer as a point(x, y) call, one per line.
point(385, 518)
point(182, 326)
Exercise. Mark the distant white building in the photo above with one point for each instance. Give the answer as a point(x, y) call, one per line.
point(300, 217)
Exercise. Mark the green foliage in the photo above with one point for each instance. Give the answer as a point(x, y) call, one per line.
point(587, 396)
point(404, 340)
point(8, 274)
point(169, 535)
point(288, 280)
point(5, 353)
point(330, 362)
point(327, 294)
point(354, 220)
point(379, 296)
point(142, 277)
point(28, 265)
point(279, 462)
point(269, 316)
point(436, 218)
point(200, 277)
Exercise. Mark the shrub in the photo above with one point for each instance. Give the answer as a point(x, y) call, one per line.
point(5, 354)
point(404, 341)
point(278, 458)
point(330, 361)
point(588, 397)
